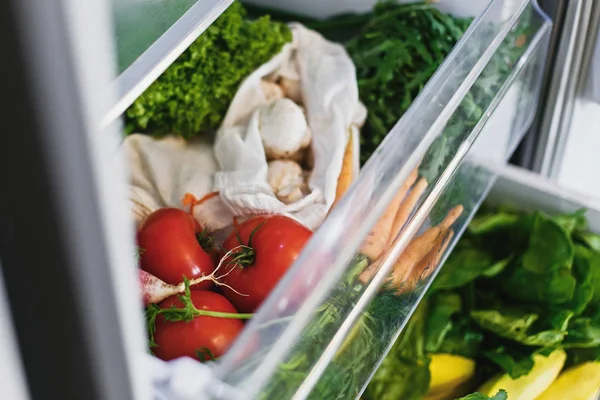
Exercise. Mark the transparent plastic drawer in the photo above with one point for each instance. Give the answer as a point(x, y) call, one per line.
point(323, 331)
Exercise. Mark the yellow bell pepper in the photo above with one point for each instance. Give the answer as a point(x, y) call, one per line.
point(450, 376)
point(581, 382)
point(529, 387)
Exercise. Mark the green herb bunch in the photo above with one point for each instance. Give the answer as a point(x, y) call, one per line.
point(395, 53)
point(515, 285)
point(193, 94)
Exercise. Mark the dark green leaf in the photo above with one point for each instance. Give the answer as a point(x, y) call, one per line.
point(550, 247)
point(576, 356)
point(582, 271)
point(556, 287)
point(463, 339)
point(501, 395)
point(514, 366)
point(516, 325)
point(575, 221)
point(442, 307)
point(583, 332)
point(464, 264)
point(493, 222)
point(591, 240)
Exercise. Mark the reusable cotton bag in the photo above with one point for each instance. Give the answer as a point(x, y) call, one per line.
point(163, 171)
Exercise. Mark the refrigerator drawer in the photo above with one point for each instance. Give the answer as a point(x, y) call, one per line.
point(307, 339)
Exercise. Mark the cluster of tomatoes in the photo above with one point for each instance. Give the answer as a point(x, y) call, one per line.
point(251, 261)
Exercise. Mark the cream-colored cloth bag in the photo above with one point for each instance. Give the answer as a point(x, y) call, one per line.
point(163, 171)
point(327, 80)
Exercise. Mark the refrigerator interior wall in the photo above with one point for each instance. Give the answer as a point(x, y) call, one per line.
point(571, 119)
point(326, 9)
point(528, 191)
point(280, 334)
point(578, 168)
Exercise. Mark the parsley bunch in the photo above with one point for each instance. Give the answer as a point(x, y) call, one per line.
point(396, 52)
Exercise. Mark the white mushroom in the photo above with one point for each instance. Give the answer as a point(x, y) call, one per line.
point(286, 178)
point(272, 91)
point(291, 89)
point(284, 130)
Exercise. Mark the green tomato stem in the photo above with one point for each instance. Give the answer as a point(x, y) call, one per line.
point(183, 312)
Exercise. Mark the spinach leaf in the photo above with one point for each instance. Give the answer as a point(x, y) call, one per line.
point(550, 247)
point(578, 356)
point(439, 321)
point(501, 395)
point(493, 222)
point(464, 264)
point(517, 325)
point(591, 240)
point(464, 339)
point(583, 332)
point(512, 359)
point(555, 287)
point(575, 221)
point(582, 271)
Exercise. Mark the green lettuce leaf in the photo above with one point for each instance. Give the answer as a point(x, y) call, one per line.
point(501, 395)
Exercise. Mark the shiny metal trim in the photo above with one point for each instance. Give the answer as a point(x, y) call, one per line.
point(563, 88)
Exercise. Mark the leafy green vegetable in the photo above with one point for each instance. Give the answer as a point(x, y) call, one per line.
point(466, 264)
point(516, 285)
point(575, 221)
point(509, 362)
point(517, 325)
point(494, 222)
point(404, 374)
point(439, 321)
point(591, 240)
point(397, 49)
point(501, 395)
point(193, 94)
point(550, 247)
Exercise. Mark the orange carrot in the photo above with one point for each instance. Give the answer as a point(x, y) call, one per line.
point(421, 246)
point(406, 208)
point(376, 242)
point(347, 173)
point(425, 267)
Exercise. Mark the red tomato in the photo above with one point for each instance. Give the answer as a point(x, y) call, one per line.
point(178, 339)
point(272, 244)
point(170, 248)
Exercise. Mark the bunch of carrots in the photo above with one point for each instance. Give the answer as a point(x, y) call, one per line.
point(422, 255)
